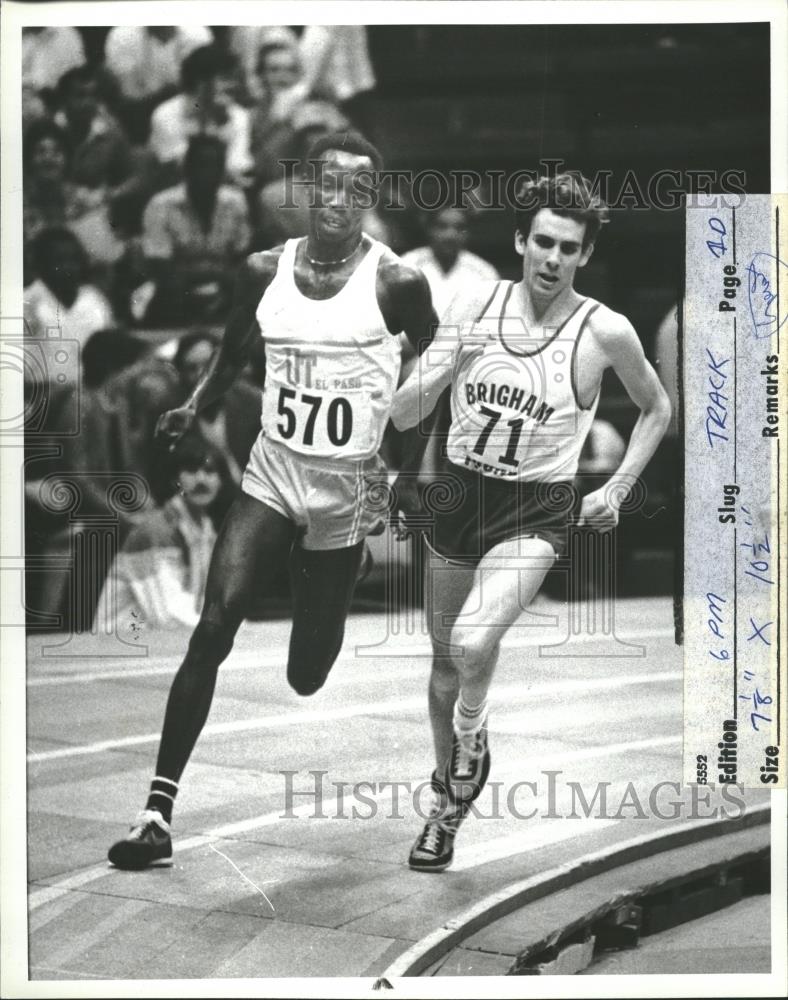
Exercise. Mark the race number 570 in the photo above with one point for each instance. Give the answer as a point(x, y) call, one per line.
point(338, 417)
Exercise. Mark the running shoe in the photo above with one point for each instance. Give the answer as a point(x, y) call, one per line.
point(148, 843)
point(433, 850)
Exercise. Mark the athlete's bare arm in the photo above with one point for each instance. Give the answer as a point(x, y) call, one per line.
point(615, 337)
point(418, 394)
point(406, 305)
point(406, 302)
point(254, 276)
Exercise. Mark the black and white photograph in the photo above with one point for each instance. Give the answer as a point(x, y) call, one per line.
point(393, 485)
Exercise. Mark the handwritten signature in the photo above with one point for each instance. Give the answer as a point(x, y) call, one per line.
point(764, 303)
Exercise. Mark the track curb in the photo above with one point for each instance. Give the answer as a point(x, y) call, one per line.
point(435, 945)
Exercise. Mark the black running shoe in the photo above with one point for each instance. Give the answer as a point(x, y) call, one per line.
point(468, 766)
point(433, 850)
point(148, 843)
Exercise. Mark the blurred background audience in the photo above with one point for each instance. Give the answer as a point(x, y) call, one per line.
point(153, 160)
point(231, 424)
point(447, 263)
point(47, 53)
point(60, 300)
point(50, 198)
point(193, 235)
point(205, 105)
point(158, 577)
point(146, 63)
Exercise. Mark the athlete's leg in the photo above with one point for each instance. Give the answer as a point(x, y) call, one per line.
point(323, 582)
point(505, 582)
point(470, 610)
point(446, 588)
point(252, 546)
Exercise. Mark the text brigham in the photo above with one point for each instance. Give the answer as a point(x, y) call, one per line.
point(511, 398)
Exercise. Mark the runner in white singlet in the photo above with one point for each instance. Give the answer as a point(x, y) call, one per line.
point(525, 362)
point(330, 308)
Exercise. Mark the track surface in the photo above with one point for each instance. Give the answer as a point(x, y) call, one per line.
point(253, 894)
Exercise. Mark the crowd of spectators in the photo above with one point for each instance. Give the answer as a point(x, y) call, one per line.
point(152, 164)
point(160, 149)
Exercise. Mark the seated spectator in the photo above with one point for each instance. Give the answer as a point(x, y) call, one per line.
point(109, 352)
point(193, 234)
point(283, 205)
point(282, 92)
point(245, 41)
point(60, 297)
point(232, 423)
point(136, 397)
point(48, 53)
point(145, 63)
point(102, 158)
point(448, 266)
point(116, 419)
point(50, 199)
point(158, 578)
point(204, 107)
point(337, 68)
point(446, 262)
point(94, 455)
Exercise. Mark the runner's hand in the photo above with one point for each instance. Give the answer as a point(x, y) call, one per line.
point(599, 510)
point(408, 504)
point(173, 424)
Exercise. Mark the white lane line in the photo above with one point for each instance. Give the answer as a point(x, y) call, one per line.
point(227, 831)
point(41, 971)
point(596, 712)
point(519, 843)
point(392, 705)
point(95, 934)
point(48, 894)
point(39, 920)
point(545, 833)
point(160, 666)
point(279, 721)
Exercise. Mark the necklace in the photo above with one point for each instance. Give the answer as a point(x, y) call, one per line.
point(331, 263)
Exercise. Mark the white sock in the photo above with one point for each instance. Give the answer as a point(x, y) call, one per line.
point(468, 718)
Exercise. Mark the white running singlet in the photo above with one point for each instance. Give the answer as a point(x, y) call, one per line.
point(515, 413)
point(331, 365)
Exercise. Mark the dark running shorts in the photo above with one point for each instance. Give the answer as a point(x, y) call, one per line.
point(472, 513)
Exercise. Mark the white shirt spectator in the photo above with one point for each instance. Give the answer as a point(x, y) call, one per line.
point(171, 227)
point(143, 64)
point(44, 312)
point(336, 60)
point(49, 53)
point(158, 578)
point(247, 40)
point(90, 312)
point(175, 121)
point(444, 285)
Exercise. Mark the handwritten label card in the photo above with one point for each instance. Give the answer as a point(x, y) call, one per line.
point(735, 340)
